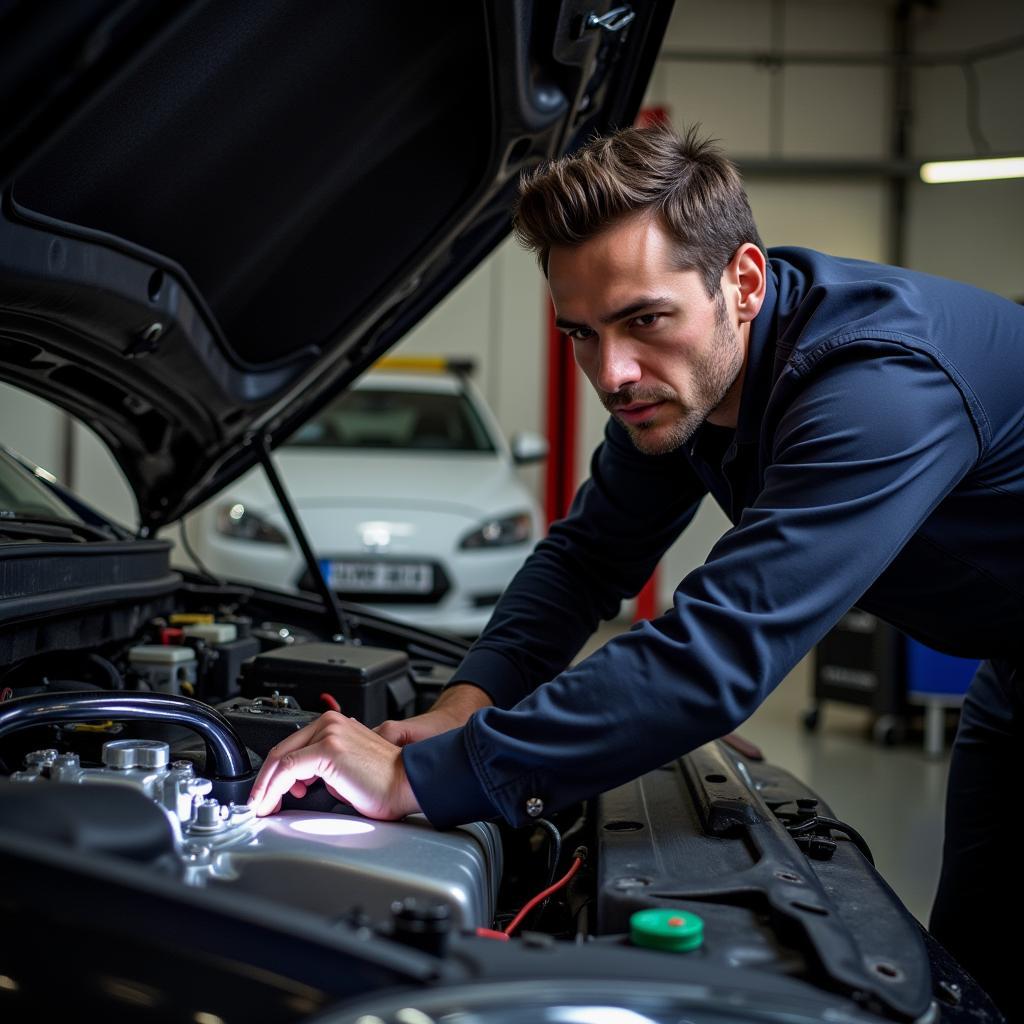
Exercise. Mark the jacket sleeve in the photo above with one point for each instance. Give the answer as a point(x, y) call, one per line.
point(621, 522)
point(870, 444)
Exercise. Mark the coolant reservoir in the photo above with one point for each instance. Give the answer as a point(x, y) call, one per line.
point(165, 668)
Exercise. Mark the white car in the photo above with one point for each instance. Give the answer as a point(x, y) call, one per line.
point(410, 497)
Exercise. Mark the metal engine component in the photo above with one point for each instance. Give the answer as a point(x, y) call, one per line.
point(325, 863)
point(141, 764)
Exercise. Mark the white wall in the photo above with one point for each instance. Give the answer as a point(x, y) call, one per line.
point(32, 428)
point(497, 316)
point(37, 430)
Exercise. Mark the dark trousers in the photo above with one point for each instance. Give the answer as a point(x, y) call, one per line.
point(978, 907)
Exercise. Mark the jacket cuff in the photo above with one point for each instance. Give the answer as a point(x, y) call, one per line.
point(443, 781)
point(494, 674)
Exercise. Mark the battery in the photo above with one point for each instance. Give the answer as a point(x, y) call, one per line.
point(262, 723)
point(370, 684)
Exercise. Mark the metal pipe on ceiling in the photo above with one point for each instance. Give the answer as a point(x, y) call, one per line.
point(825, 58)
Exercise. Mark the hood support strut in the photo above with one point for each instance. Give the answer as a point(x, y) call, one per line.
point(332, 606)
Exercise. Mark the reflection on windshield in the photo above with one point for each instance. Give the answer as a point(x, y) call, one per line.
point(21, 494)
point(411, 420)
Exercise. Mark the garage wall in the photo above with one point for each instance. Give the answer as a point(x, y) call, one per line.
point(969, 232)
point(32, 428)
point(40, 432)
point(496, 316)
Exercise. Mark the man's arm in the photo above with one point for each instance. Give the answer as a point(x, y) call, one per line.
point(861, 457)
point(622, 521)
point(450, 710)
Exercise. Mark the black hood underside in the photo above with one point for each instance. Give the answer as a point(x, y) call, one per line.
point(217, 214)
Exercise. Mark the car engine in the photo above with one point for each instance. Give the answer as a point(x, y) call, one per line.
point(140, 746)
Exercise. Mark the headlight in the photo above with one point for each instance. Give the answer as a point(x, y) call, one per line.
point(235, 520)
point(500, 533)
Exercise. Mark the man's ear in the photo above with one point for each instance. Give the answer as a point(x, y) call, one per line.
point(746, 277)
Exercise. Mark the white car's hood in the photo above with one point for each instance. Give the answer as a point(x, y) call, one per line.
point(463, 483)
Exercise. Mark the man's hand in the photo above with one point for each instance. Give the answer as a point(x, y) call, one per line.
point(356, 764)
point(451, 710)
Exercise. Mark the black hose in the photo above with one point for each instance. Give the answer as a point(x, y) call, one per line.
point(226, 755)
point(556, 848)
point(107, 669)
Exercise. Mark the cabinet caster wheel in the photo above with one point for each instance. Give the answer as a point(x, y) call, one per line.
point(887, 731)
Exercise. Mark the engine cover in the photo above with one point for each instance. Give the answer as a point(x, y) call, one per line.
point(327, 863)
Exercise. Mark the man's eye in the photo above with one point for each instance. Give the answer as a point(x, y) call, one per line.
point(579, 334)
point(647, 320)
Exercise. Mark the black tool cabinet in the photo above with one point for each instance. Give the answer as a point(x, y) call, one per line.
point(862, 661)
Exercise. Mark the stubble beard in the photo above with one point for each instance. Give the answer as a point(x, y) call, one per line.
point(712, 379)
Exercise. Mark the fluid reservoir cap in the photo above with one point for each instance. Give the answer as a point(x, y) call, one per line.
point(675, 931)
point(136, 754)
point(213, 633)
point(160, 654)
point(208, 814)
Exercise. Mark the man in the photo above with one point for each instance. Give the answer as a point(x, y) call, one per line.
point(863, 428)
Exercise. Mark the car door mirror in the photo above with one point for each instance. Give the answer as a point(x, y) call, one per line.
point(528, 447)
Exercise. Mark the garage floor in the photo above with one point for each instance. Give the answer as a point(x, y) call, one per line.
point(894, 796)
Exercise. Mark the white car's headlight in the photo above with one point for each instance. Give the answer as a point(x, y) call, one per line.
point(236, 521)
point(499, 533)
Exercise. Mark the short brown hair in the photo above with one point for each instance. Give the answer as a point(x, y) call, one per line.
point(685, 180)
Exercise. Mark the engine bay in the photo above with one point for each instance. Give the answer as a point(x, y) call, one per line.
point(140, 747)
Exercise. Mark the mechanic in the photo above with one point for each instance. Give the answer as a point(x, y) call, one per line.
point(863, 428)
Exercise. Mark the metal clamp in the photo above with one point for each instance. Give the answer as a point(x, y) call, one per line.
point(614, 21)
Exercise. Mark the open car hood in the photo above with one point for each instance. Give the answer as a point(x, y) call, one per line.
point(217, 214)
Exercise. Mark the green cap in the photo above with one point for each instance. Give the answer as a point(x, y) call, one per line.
point(674, 931)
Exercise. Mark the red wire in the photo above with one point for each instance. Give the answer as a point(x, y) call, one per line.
point(332, 704)
point(564, 880)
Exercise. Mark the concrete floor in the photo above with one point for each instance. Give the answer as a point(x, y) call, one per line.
point(894, 796)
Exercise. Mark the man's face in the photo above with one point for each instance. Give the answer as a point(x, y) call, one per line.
point(662, 355)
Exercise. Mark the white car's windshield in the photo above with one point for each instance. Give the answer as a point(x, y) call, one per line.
point(377, 418)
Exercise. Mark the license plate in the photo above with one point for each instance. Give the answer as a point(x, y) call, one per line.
point(380, 577)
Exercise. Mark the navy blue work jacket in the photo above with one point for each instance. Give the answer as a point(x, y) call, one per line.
point(878, 460)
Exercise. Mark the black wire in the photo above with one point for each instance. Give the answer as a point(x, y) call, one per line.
point(555, 856)
point(970, 73)
point(186, 544)
point(776, 68)
point(556, 848)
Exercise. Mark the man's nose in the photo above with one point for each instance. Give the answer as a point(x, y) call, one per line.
point(616, 366)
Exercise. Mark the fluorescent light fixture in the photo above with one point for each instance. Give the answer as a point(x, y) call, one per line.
point(940, 172)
